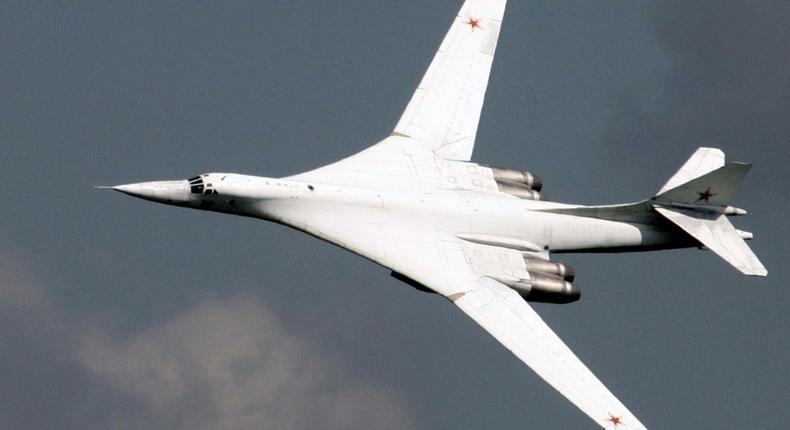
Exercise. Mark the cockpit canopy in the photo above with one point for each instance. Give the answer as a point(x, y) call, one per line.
point(201, 185)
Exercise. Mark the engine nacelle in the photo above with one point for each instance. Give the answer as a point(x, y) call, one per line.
point(550, 268)
point(545, 289)
point(519, 190)
point(518, 177)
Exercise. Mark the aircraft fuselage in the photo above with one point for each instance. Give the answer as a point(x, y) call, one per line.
point(322, 210)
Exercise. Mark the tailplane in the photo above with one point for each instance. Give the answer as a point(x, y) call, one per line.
point(718, 235)
point(697, 199)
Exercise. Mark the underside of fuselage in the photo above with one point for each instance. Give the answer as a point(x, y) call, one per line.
point(553, 227)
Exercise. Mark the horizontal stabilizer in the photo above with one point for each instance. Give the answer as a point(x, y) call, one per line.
point(716, 233)
point(715, 188)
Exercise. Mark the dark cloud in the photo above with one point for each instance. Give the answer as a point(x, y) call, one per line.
point(223, 364)
point(730, 78)
point(727, 86)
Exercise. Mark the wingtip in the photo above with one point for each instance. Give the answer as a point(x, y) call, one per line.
point(761, 273)
point(757, 270)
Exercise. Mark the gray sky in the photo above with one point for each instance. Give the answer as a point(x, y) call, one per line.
point(118, 313)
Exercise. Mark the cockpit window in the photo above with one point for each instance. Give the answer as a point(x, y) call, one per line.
point(196, 185)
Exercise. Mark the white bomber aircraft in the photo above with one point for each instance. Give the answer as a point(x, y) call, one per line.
point(480, 236)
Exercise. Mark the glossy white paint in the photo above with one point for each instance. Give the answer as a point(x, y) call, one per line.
point(415, 204)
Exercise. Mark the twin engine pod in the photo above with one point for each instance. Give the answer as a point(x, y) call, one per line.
point(550, 268)
point(544, 289)
point(518, 177)
point(548, 282)
point(519, 191)
point(523, 185)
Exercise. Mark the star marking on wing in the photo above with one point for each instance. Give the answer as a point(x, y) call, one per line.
point(705, 195)
point(615, 420)
point(474, 23)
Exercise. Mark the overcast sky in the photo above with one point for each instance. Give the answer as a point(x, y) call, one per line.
point(118, 313)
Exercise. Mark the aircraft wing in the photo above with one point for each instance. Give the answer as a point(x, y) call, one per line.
point(444, 112)
point(465, 273)
point(513, 322)
point(434, 136)
point(505, 315)
point(458, 267)
point(441, 119)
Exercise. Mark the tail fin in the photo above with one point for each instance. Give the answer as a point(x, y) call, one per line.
point(697, 199)
point(703, 161)
point(715, 188)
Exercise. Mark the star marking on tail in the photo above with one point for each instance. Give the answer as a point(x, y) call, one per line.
point(474, 23)
point(615, 420)
point(705, 195)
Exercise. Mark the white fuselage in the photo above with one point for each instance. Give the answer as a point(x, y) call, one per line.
point(340, 214)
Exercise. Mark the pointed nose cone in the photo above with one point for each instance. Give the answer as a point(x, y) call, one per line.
point(172, 192)
point(131, 189)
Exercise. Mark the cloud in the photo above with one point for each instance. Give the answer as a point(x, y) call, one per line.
point(229, 364)
point(41, 378)
point(226, 363)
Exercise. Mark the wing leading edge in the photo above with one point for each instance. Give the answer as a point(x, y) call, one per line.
point(504, 314)
point(444, 111)
point(440, 123)
point(464, 272)
point(441, 119)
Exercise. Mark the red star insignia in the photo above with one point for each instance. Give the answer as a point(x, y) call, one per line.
point(474, 23)
point(705, 195)
point(615, 420)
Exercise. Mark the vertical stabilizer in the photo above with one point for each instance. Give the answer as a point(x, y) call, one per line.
point(703, 161)
point(715, 188)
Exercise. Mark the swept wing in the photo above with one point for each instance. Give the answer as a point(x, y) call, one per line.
point(465, 272)
point(441, 120)
point(434, 136)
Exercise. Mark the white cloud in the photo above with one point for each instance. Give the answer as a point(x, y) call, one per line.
point(228, 364)
point(223, 364)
